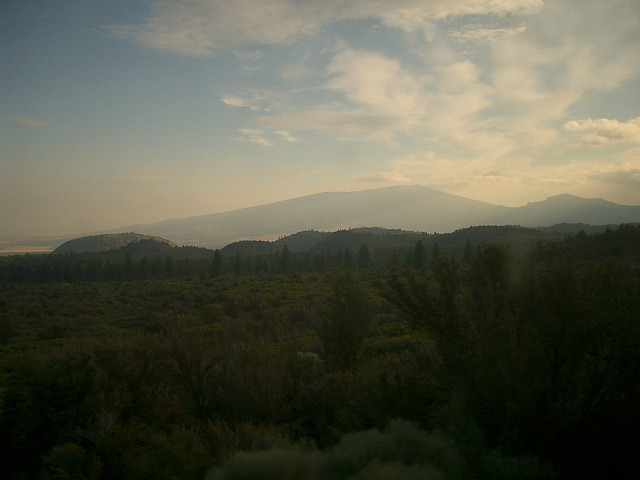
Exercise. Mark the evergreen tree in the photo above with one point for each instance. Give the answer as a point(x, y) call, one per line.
point(306, 262)
point(237, 265)
point(144, 269)
point(285, 260)
point(467, 256)
point(394, 259)
point(419, 256)
point(216, 264)
point(260, 264)
point(348, 322)
point(364, 257)
point(170, 267)
point(348, 259)
point(408, 258)
point(435, 253)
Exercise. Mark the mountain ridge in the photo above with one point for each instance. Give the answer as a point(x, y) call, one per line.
point(404, 207)
point(409, 208)
point(414, 208)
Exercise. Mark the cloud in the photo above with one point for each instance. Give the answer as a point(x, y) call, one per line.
point(248, 56)
point(374, 81)
point(412, 15)
point(241, 102)
point(202, 27)
point(603, 131)
point(493, 91)
point(384, 177)
point(358, 125)
point(630, 176)
point(286, 135)
point(257, 136)
point(27, 122)
point(475, 34)
point(264, 137)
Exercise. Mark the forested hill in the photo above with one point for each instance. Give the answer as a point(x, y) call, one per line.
point(112, 241)
point(362, 248)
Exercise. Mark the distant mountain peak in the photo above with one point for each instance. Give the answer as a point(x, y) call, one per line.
point(415, 208)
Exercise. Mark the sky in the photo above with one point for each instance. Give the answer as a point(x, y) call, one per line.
point(123, 112)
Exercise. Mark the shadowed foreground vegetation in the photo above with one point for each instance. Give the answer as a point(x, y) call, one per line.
point(486, 365)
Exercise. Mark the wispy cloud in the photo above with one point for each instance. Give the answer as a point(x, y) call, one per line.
point(371, 80)
point(354, 125)
point(236, 101)
point(255, 135)
point(489, 97)
point(478, 34)
point(286, 135)
point(202, 27)
point(266, 137)
point(629, 176)
point(392, 178)
point(27, 122)
point(603, 131)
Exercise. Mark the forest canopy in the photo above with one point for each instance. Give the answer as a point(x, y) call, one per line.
point(481, 361)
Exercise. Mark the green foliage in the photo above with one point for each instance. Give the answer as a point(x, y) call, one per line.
point(509, 365)
point(401, 451)
point(112, 241)
point(347, 323)
point(419, 256)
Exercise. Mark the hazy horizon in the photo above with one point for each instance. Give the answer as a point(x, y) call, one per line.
point(117, 114)
point(122, 228)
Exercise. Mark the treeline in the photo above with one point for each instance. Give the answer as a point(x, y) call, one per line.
point(490, 366)
point(150, 259)
point(128, 266)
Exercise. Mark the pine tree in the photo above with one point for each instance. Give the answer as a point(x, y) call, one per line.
point(419, 256)
point(467, 257)
point(363, 257)
point(216, 264)
point(435, 253)
point(285, 261)
point(348, 259)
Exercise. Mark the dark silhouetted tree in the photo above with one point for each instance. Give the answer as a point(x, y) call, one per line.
point(364, 258)
point(216, 264)
point(419, 256)
point(285, 261)
point(435, 253)
point(348, 259)
point(347, 323)
point(467, 256)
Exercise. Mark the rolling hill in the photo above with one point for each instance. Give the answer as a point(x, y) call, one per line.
point(106, 242)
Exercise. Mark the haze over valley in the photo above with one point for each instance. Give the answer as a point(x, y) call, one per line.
point(411, 208)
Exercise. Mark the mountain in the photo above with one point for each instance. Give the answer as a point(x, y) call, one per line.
point(101, 243)
point(405, 207)
point(569, 209)
point(413, 208)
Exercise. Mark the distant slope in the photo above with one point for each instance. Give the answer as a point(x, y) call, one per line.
point(569, 209)
point(112, 241)
point(405, 207)
point(413, 208)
